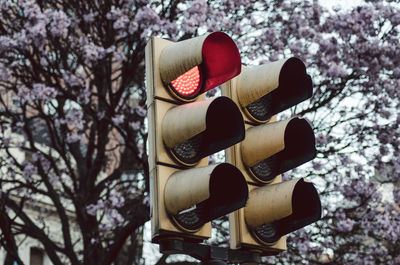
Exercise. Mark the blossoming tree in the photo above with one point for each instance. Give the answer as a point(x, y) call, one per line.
point(73, 131)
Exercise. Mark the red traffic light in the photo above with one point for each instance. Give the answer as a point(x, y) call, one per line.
point(192, 67)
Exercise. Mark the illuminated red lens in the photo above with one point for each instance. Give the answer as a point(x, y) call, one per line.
point(188, 84)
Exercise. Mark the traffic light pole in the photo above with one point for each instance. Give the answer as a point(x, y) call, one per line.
point(208, 254)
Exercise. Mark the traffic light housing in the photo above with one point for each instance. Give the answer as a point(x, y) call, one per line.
point(188, 68)
point(184, 128)
point(270, 148)
point(265, 90)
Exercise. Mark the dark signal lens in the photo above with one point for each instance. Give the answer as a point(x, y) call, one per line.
point(187, 85)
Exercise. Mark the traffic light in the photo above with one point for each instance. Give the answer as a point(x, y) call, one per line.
point(270, 148)
point(184, 128)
